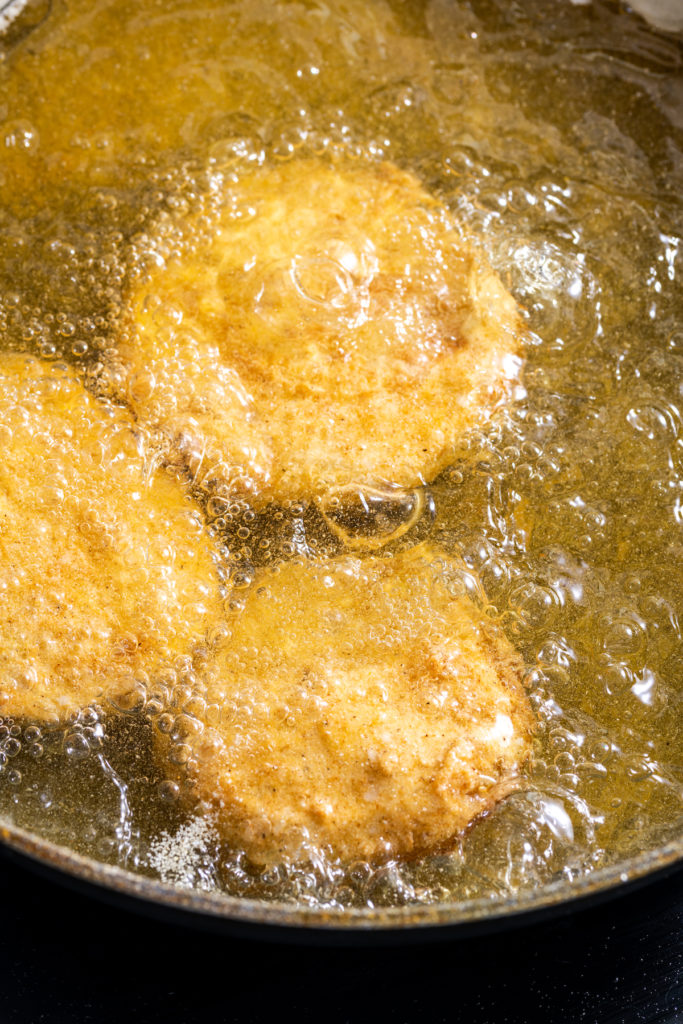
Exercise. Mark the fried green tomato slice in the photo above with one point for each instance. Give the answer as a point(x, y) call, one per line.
point(105, 570)
point(364, 708)
point(330, 326)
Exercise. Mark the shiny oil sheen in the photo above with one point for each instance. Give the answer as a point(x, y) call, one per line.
point(554, 132)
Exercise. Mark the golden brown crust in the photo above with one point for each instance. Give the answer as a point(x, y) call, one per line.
point(105, 569)
point(332, 328)
point(361, 708)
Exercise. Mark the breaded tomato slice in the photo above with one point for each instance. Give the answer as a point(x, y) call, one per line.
point(361, 707)
point(329, 326)
point(106, 572)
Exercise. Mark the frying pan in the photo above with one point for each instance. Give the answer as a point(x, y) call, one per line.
point(223, 913)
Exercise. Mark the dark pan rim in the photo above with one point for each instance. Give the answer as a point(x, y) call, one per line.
point(217, 911)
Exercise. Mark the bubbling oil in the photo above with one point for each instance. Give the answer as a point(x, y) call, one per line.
point(554, 134)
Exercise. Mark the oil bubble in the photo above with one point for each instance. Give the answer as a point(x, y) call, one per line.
point(20, 135)
point(76, 745)
point(655, 422)
point(624, 635)
point(11, 747)
point(180, 753)
point(169, 791)
point(164, 723)
point(132, 701)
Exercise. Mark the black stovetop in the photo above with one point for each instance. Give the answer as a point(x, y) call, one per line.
point(67, 958)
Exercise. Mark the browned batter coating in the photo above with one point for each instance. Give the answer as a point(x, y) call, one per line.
point(359, 707)
point(105, 569)
point(329, 327)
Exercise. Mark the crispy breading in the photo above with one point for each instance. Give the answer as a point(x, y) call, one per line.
point(363, 707)
point(105, 569)
point(330, 327)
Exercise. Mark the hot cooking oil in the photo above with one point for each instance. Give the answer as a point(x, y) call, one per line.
point(554, 133)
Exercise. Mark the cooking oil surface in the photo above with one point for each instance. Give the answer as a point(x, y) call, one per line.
point(553, 133)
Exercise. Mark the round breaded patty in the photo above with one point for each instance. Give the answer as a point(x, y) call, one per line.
point(361, 708)
point(329, 327)
point(105, 569)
